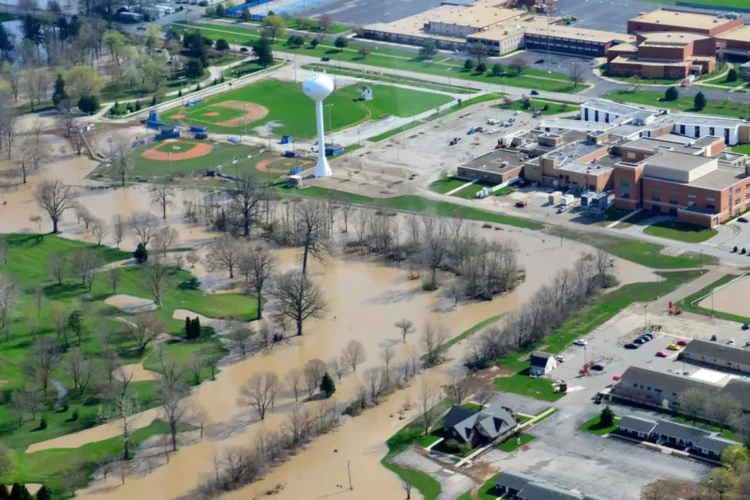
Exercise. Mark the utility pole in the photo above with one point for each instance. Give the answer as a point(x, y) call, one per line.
point(349, 472)
point(549, 20)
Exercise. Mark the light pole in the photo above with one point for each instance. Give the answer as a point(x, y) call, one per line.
point(549, 20)
point(245, 119)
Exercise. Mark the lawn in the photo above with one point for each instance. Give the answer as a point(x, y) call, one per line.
point(471, 331)
point(183, 146)
point(447, 185)
point(222, 154)
point(246, 68)
point(742, 148)
point(724, 82)
point(182, 352)
point(512, 444)
point(413, 203)
point(396, 101)
point(380, 76)
point(640, 252)
point(521, 383)
point(683, 103)
point(685, 304)
point(384, 57)
point(612, 214)
point(485, 492)
point(594, 426)
point(680, 231)
point(553, 107)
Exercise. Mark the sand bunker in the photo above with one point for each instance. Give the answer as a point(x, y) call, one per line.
point(212, 113)
point(730, 299)
point(178, 116)
point(136, 373)
point(253, 112)
point(220, 326)
point(130, 304)
point(200, 149)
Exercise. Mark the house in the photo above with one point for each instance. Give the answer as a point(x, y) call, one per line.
point(716, 355)
point(518, 486)
point(542, 363)
point(366, 93)
point(492, 423)
point(698, 442)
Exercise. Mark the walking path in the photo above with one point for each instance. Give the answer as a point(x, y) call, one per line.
point(459, 188)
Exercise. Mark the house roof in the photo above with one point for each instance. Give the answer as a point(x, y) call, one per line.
point(514, 480)
point(456, 415)
point(543, 491)
point(636, 424)
point(721, 352)
point(540, 359)
point(494, 420)
point(667, 382)
point(740, 390)
point(715, 444)
point(685, 432)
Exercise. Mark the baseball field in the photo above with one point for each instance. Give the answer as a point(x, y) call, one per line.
point(286, 110)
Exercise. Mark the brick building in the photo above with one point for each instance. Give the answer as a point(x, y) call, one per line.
point(573, 40)
point(671, 20)
point(734, 44)
point(673, 55)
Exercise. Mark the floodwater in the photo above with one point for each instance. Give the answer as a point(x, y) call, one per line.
point(364, 299)
point(731, 299)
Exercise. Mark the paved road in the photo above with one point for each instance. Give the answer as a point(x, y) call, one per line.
point(452, 485)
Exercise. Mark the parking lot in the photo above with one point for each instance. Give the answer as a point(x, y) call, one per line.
point(427, 150)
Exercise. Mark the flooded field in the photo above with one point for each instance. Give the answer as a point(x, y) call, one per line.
point(364, 300)
point(731, 299)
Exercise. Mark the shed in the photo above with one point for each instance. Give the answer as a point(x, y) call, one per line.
point(334, 150)
point(366, 93)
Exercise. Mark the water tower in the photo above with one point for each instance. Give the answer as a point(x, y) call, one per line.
point(317, 87)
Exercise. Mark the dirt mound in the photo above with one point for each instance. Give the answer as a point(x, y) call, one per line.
point(253, 112)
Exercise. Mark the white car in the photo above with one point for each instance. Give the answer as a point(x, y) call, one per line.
point(580, 342)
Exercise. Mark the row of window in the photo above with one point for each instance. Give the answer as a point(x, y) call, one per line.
point(648, 388)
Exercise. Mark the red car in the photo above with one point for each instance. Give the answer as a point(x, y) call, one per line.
point(682, 342)
point(661, 354)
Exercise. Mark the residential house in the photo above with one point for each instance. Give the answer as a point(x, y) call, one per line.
point(518, 486)
point(698, 442)
point(542, 363)
point(716, 355)
point(493, 423)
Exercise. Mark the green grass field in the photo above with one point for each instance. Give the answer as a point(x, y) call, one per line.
point(447, 185)
point(485, 492)
point(521, 383)
point(183, 146)
point(594, 426)
point(397, 101)
point(684, 103)
point(388, 58)
point(512, 444)
point(680, 231)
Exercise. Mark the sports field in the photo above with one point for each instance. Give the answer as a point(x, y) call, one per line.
point(288, 111)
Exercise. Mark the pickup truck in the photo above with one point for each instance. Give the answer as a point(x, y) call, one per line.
point(522, 203)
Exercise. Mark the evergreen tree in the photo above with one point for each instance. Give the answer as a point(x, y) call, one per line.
point(468, 65)
point(188, 328)
point(88, 104)
point(3, 492)
point(699, 103)
point(327, 385)
point(140, 254)
point(19, 492)
point(263, 51)
point(43, 494)
point(732, 76)
point(59, 94)
point(196, 327)
point(671, 94)
point(607, 417)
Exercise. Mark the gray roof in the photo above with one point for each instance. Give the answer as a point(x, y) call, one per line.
point(456, 415)
point(543, 491)
point(740, 390)
point(685, 432)
point(611, 107)
point(707, 141)
point(714, 350)
point(723, 177)
point(540, 359)
point(637, 424)
point(514, 480)
point(667, 382)
point(702, 120)
point(715, 444)
point(494, 420)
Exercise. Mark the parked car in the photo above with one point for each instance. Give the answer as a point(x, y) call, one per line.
point(644, 338)
point(539, 61)
point(682, 342)
point(534, 92)
point(244, 49)
point(714, 338)
point(747, 343)
point(745, 326)
point(661, 354)
point(730, 342)
point(673, 347)
point(325, 58)
point(639, 341)
point(650, 336)
point(631, 346)
point(580, 342)
point(560, 359)
point(742, 219)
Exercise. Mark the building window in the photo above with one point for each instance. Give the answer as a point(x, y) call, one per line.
point(711, 131)
point(737, 201)
point(655, 197)
point(655, 187)
point(711, 198)
point(737, 191)
point(673, 202)
point(691, 195)
point(673, 191)
point(624, 184)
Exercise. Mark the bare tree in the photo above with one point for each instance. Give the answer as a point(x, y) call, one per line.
point(518, 64)
point(432, 341)
point(119, 229)
point(10, 297)
point(484, 395)
point(313, 373)
point(144, 328)
point(34, 151)
point(427, 397)
point(338, 367)
point(260, 392)
point(200, 417)
point(346, 209)
point(121, 158)
point(246, 195)
point(299, 299)
point(294, 380)
point(173, 402)
point(113, 276)
point(458, 387)
point(225, 255)
point(41, 359)
point(406, 327)
point(162, 196)
point(723, 409)
point(657, 490)
point(240, 339)
point(6, 461)
point(312, 224)
point(80, 369)
point(257, 265)
point(693, 403)
point(721, 481)
point(144, 226)
point(164, 240)
point(387, 353)
point(435, 246)
point(353, 354)
point(84, 262)
point(99, 231)
point(577, 74)
point(407, 485)
point(299, 426)
point(155, 274)
point(193, 258)
point(13, 77)
point(55, 198)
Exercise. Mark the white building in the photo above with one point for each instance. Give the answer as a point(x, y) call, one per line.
point(542, 363)
point(603, 111)
point(366, 93)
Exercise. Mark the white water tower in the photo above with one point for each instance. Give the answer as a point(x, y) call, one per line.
point(317, 87)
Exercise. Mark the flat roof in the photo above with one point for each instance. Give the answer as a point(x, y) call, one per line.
point(493, 161)
point(741, 34)
point(411, 26)
point(670, 17)
point(652, 145)
point(611, 106)
point(571, 124)
point(478, 15)
point(572, 151)
point(692, 119)
point(509, 28)
point(674, 160)
point(722, 178)
point(672, 38)
point(574, 33)
point(650, 62)
point(588, 168)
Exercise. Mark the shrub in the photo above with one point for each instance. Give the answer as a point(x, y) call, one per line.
point(327, 385)
point(88, 104)
point(140, 254)
point(314, 42)
point(43, 423)
point(672, 94)
point(497, 70)
point(743, 251)
point(732, 75)
point(138, 105)
point(43, 494)
point(468, 65)
point(481, 68)
point(735, 249)
point(75, 415)
point(607, 417)
point(699, 102)
point(429, 286)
